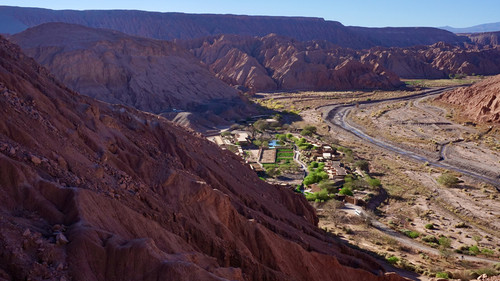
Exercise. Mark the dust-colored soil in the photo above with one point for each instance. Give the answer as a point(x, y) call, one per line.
point(415, 198)
point(424, 128)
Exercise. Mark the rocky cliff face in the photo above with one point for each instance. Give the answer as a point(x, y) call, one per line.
point(169, 26)
point(481, 101)
point(94, 191)
point(279, 63)
point(151, 75)
point(435, 61)
point(486, 39)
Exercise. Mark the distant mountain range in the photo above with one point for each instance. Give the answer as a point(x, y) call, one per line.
point(487, 27)
point(169, 26)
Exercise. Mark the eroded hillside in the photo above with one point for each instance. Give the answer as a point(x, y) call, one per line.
point(93, 191)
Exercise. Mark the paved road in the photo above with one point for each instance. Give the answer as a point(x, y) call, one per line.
point(357, 210)
point(335, 115)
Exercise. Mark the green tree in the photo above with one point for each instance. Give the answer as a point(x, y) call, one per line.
point(261, 125)
point(346, 191)
point(329, 186)
point(308, 131)
point(363, 165)
point(281, 137)
point(273, 172)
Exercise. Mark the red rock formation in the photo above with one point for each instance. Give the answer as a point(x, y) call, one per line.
point(93, 191)
point(485, 39)
point(150, 75)
point(435, 61)
point(275, 62)
point(481, 101)
point(169, 26)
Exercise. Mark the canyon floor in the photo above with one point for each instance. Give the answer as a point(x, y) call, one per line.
point(467, 214)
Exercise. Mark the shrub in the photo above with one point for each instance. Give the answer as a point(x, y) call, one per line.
point(477, 238)
point(349, 178)
point(261, 125)
point(320, 196)
point(462, 275)
point(313, 165)
point(487, 252)
point(411, 233)
point(345, 150)
point(404, 264)
point(305, 146)
point(488, 271)
point(225, 134)
point(474, 250)
point(442, 275)
point(430, 239)
point(392, 260)
point(373, 182)
point(448, 180)
point(329, 186)
point(281, 137)
point(308, 130)
point(346, 191)
point(363, 165)
point(444, 242)
point(429, 226)
point(273, 171)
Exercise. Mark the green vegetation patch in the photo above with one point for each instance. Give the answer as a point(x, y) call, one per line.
point(320, 196)
point(316, 173)
point(392, 260)
point(411, 233)
point(442, 275)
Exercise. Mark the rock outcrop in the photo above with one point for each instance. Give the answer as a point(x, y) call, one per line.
point(486, 39)
point(481, 101)
point(275, 62)
point(151, 75)
point(435, 61)
point(279, 63)
point(94, 191)
point(169, 26)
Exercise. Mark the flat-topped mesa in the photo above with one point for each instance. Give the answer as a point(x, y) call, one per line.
point(94, 191)
point(169, 26)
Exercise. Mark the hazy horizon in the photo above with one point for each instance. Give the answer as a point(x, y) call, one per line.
point(367, 13)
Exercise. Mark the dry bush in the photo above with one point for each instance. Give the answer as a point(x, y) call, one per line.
point(463, 275)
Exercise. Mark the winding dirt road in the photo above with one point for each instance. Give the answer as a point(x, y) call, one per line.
point(335, 115)
point(357, 210)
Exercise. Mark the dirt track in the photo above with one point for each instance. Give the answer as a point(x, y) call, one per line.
point(473, 165)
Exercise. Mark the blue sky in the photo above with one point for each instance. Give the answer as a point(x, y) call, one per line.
point(456, 13)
